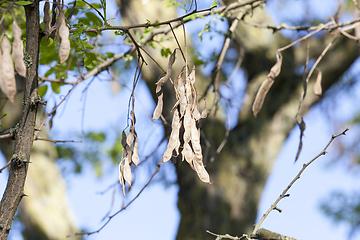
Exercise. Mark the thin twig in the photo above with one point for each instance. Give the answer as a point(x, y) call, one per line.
point(95, 10)
point(311, 72)
point(6, 165)
point(237, 66)
point(172, 30)
point(284, 193)
point(164, 30)
point(45, 79)
point(55, 141)
point(318, 29)
point(227, 236)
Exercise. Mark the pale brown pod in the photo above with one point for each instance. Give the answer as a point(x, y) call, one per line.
point(47, 19)
point(164, 79)
point(174, 141)
point(265, 86)
point(64, 49)
point(181, 92)
point(196, 113)
point(275, 70)
point(201, 171)
point(9, 84)
point(135, 157)
point(188, 154)
point(127, 171)
point(18, 50)
point(187, 125)
point(159, 107)
point(121, 176)
point(317, 85)
point(261, 94)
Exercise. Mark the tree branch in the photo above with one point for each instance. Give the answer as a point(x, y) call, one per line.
point(284, 193)
point(24, 136)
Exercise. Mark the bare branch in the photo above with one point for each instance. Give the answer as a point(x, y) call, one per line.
point(6, 165)
point(55, 141)
point(227, 236)
point(283, 194)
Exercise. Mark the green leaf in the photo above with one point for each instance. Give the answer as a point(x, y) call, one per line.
point(49, 72)
point(96, 5)
point(110, 54)
point(214, 4)
point(89, 58)
point(91, 34)
point(22, 25)
point(98, 169)
point(88, 46)
point(55, 87)
point(23, 3)
point(97, 22)
point(165, 52)
point(80, 54)
point(42, 90)
point(2, 116)
point(96, 137)
point(79, 4)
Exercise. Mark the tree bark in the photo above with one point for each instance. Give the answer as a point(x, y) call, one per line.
point(25, 130)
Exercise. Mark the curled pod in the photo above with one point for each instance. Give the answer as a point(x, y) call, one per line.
point(18, 50)
point(47, 20)
point(8, 86)
point(64, 49)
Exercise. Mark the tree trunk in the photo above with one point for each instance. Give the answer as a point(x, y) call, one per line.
point(44, 212)
point(25, 131)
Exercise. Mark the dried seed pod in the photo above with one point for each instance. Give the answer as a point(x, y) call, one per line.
point(130, 138)
point(188, 155)
point(18, 50)
point(174, 141)
point(127, 171)
point(261, 94)
point(195, 140)
point(204, 113)
point(159, 107)
point(47, 19)
point(265, 86)
point(126, 148)
point(9, 84)
point(201, 171)
point(187, 125)
point(135, 157)
point(121, 176)
point(180, 87)
point(64, 49)
point(302, 127)
point(196, 114)
point(317, 85)
point(275, 70)
point(164, 79)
